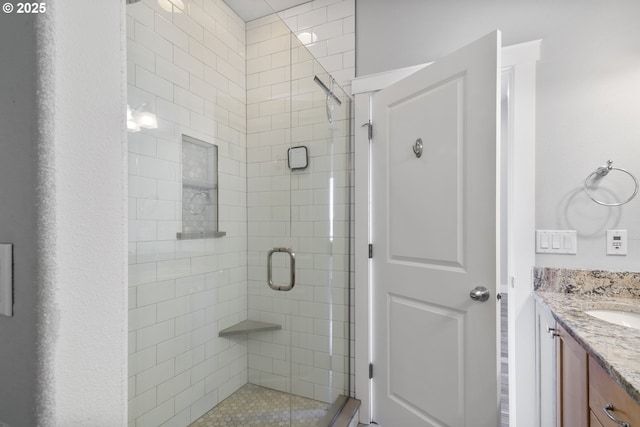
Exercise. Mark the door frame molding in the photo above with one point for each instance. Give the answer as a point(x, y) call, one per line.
point(520, 61)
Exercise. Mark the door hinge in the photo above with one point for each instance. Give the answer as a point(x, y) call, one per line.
point(370, 370)
point(369, 126)
point(370, 250)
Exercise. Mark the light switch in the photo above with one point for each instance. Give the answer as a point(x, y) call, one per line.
point(567, 242)
point(557, 242)
point(544, 241)
point(6, 280)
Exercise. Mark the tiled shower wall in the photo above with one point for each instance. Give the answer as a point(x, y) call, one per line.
point(187, 66)
point(307, 210)
point(328, 29)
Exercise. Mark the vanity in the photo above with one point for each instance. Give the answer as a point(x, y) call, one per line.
point(588, 348)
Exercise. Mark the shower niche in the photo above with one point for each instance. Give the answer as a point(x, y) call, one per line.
point(199, 189)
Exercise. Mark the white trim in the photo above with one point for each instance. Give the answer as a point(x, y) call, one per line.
point(522, 59)
point(520, 54)
point(379, 81)
point(362, 282)
point(521, 234)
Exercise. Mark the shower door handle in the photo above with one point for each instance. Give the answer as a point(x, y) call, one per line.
point(292, 268)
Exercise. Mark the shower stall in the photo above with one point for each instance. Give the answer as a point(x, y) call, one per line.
point(240, 222)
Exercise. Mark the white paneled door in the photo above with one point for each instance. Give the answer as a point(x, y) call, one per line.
point(434, 217)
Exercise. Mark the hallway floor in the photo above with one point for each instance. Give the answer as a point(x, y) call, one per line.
point(504, 360)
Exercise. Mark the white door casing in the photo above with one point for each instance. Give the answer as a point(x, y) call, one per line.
point(434, 233)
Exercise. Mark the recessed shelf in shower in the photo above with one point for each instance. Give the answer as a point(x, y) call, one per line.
point(199, 189)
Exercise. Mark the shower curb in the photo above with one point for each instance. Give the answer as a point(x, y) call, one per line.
point(347, 417)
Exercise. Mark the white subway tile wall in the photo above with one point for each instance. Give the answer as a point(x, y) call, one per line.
point(328, 29)
point(187, 66)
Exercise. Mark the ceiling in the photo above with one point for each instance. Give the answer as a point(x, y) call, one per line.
point(249, 10)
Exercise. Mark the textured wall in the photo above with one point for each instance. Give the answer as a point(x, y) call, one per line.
point(84, 211)
point(64, 212)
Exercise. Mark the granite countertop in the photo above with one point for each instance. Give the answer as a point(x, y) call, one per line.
point(617, 348)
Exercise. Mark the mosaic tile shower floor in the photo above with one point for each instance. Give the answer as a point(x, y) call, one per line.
point(253, 405)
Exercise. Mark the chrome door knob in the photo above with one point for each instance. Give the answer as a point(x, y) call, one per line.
point(479, 293)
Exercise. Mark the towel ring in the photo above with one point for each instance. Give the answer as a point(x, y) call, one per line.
point(600, 173)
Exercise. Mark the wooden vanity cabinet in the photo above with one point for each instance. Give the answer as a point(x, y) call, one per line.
point(572, 374)
point(603, 390)
point(584, 389)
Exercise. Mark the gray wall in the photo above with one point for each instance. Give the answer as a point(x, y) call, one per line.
point(17, 217)
point(588, 96)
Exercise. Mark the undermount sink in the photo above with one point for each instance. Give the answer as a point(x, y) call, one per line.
point(617, 317)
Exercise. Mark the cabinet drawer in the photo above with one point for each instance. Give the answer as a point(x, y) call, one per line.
point(593, 422)
point(603, 390)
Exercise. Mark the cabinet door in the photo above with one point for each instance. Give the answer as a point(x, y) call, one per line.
point(572, 382)
point(546, 367)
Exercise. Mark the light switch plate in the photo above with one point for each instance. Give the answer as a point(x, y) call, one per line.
point(6, 280)
point(557, 242)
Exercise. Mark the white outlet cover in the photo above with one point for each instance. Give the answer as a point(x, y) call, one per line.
point(6, 280)
point(617, 242)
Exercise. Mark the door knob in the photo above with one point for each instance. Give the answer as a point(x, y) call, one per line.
point(479, 293)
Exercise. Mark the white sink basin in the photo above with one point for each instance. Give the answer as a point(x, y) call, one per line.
point(618, 317)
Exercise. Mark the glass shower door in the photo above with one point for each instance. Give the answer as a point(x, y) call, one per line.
point(320, 199)
point(298, 210)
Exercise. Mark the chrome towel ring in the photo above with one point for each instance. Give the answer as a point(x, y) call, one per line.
point(600, 173)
